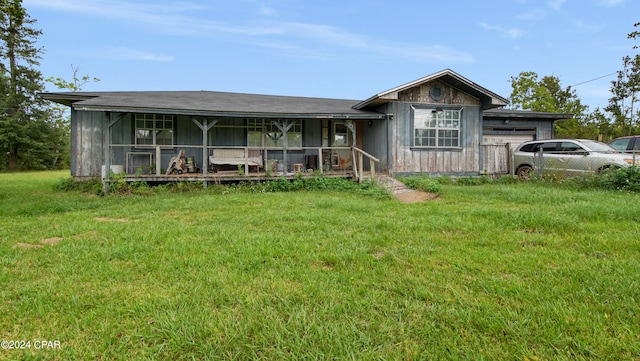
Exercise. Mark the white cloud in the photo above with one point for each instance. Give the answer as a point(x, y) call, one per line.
point(265, 10)
point(611, 3)
point(583, 27)
point(535, 15)
point(512, 33)
point(428, 54)
point(123, 53)
point(556, 4)
point(300, 38)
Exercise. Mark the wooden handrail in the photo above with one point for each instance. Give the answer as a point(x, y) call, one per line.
point(366, 154)
point(360, 169)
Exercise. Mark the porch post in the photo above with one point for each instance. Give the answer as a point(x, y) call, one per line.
point(158, 160)
point(352, 127)
point(284, 128)
point(204, 127)
point(106, 146)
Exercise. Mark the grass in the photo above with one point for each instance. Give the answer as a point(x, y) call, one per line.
point(523, 271)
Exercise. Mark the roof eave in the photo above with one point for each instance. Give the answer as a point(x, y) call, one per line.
point(515, 113)
point(232, 114)
point(65, 98)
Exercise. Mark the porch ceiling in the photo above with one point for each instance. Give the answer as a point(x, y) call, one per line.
point(208, 103)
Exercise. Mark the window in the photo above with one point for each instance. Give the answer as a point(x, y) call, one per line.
point(436, 128)
point(341, 135)
point(153, 130)
point(263, 133)
point(569, 147)
point(621, 144)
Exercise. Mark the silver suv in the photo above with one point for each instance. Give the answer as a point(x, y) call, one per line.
point(629, 144)
point(567, 157)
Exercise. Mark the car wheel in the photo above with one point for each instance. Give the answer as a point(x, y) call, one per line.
point(524, 172)
point(606, 168)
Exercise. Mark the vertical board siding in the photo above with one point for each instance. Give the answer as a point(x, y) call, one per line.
point(87, 135)
point(496, 159)
point(408, 159)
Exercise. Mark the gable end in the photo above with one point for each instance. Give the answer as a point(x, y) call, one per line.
point(423, 94)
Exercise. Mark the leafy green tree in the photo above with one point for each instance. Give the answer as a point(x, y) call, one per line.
point(60, 119)
point(75, 84)
point(24, 131)
point(623, 105)
point(547, 95)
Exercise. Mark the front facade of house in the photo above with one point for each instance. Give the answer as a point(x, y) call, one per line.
point(439, 124)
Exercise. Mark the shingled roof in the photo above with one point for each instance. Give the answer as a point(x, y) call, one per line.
point(210, 103)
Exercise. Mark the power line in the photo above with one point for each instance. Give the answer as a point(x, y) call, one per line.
point(600, 77)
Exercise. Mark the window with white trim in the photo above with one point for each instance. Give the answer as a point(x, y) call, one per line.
point(263, 133)
point(341, 135)
point(154, 129)
point(436, 128)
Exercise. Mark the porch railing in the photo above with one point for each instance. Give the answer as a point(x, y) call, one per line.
point(328, 158)
point(359, 169)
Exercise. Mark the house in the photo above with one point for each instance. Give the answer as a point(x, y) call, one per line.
point(440, 124)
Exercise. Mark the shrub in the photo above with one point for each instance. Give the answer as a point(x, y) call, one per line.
point(472, 181)
point(317, 183)
point(505, 179)
point(627, 179)
point(93, 186)
point(620, 179)
point(422, 183)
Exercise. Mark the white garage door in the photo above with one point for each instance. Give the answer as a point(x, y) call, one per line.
point(513, 140)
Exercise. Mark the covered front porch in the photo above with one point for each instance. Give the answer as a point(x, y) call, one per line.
point(231, 149)
point(256, 164)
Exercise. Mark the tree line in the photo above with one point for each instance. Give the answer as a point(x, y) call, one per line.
point(618, 118)
point(36, 135)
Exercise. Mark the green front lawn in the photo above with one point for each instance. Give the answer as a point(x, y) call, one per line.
point(513, 271)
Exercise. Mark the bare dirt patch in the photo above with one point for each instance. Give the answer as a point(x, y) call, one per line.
point(415, 196)
point(28, 246)
point(51, 241)
point(105, 219)
point(45, 242)
point(403, 193)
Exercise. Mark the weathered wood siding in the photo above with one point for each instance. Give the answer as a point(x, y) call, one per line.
point(420, 94)
point(496, 158)
point(463, 160)
point(375, 140)
point(87, 155)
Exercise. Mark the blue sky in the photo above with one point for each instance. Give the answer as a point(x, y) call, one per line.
point(349, 49)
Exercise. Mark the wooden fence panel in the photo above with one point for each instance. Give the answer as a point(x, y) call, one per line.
point(496, 159)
